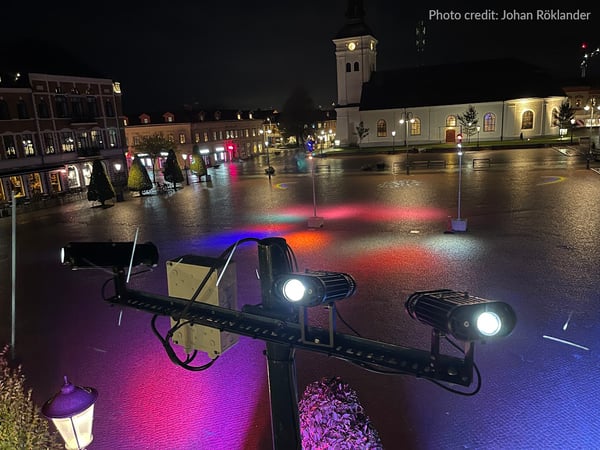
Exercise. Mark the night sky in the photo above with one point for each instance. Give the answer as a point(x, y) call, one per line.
point(249, 55)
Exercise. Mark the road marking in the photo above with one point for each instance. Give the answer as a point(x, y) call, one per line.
point(562, 341)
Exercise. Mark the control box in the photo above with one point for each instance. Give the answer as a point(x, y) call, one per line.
point(184, 275)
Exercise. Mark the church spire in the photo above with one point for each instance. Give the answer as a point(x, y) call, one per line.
point(355, 11)
point(355, 21)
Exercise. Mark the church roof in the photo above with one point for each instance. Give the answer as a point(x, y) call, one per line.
point(457, 83)
point(355, 21)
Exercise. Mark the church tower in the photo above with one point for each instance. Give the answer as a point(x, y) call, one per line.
point(356, 58)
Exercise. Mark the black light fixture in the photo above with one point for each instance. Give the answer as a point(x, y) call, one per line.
point(465, 317)
point(314, 288)
point(80, 255)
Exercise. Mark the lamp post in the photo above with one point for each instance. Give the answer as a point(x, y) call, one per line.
point(572, 128)
point(393, 141)
point(72, 412)
point(406, 118)
point(459, 224)
point(591, 110)
point(186, 168)
point(478, 130)
point(269, 170)
point(119, 181)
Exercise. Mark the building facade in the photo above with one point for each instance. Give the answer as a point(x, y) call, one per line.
point(422, 105)
point(52, 127)
point(218, 136)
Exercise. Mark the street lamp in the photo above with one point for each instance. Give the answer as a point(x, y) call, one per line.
point(186, 168)
point(406, 118)
point(393, 141)
point(119, 181)
point(478, 130)
point(459, 224)
point(72, 412)
point(572, 129)
point(591, 110)
point(269, 170)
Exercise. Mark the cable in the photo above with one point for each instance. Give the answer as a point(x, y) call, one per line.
point(337, 312)
point(173, 356)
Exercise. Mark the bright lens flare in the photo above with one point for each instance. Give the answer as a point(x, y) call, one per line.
point(294, 290)
point(489, 323)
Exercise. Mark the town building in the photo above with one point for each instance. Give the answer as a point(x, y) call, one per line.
point(217, 136)
point(52, 127)
point(421, 105)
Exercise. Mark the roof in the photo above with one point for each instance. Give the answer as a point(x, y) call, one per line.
point(187, 115)
point(355, 21)
point(457, 83)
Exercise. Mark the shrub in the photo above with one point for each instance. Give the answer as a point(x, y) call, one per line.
point(331, 417)
point(22, 426)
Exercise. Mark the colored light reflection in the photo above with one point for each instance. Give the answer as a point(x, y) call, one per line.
point(224, 407)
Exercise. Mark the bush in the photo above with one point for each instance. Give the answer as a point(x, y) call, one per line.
point(22, 426)
point(331, 417)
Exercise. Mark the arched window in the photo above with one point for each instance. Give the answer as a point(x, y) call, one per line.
point(489, 122)
point(555, 118)
point(4, 113)
point(356, 66)
point(451, 121)
point(527, 120)
point(348, 67)
point(22, 110)
point(381, 128)
point(415, 127)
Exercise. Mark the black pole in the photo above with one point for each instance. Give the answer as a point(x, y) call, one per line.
point(283, 391)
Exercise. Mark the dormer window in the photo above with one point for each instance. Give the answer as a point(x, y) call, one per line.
point(239, 115)
point(217, 115)
point(169, 117)
point(145, 118)
point(251, 115)
point(201, 116)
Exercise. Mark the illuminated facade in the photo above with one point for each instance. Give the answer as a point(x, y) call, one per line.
point(219, 136)
point(513, 100)
point(52, 127)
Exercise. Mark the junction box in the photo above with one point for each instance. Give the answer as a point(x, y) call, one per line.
point(184, 275)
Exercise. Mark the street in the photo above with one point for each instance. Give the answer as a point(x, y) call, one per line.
point(531, 242)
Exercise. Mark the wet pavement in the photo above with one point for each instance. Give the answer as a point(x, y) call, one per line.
point(532, 241)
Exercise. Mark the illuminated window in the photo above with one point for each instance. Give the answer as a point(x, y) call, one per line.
point(28, 148)
point(35, 183)
point(16, 183)
point(555, 119)
point(182, 138)
point(196, 137)
point(356, 66)
point(112, 137)
point(527, 120)
point(489, 122)
point(415, 127)
point(171, 137)
point(73, 177)
point(96, 138)
point(451, 121)
point(49, 144)
point(10, 148)
point(348, 67)
point(205, 136)
point(67, 143)
point(578, 102)
point(381, 128)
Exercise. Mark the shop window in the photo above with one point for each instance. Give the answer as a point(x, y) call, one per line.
point(73, 177)
point(16, 185)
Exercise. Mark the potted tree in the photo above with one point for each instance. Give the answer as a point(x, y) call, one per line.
point(172, 171)
point(139, 180)
point(100, 188)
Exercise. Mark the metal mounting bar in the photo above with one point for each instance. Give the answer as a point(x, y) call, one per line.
point(351, 348)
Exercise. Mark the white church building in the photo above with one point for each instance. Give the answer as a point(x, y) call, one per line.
point(513, 99)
